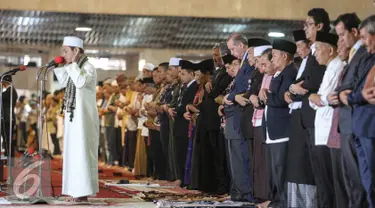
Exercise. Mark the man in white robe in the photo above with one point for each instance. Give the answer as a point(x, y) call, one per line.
point(330, 164)
point(81, 133)
point(326, 54)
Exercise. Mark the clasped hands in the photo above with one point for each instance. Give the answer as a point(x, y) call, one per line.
point(369, 94)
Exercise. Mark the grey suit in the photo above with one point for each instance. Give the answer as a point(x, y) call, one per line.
point(349, 75)
point(353, 185)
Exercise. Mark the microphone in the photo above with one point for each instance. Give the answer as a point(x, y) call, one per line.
point(14, 71)
point(58, 60)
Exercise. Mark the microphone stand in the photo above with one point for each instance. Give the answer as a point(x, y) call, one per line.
point(41, 78)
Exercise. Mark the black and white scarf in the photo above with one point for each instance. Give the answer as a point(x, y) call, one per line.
point(69, 103)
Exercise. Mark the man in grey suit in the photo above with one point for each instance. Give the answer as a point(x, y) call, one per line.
point(346, 27)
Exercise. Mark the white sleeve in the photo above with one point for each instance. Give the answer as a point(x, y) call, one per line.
point(324, 99)
point(328, 86)
point(62, 75)
point(81, 77)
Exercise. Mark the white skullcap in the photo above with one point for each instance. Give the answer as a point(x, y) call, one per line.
point(108, 81)
point(149, 67)
point(174, 61)
point(260, 49)
point(114, 83)
point(73, 41)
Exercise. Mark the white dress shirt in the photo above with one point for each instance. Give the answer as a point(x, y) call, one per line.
point(298, 104)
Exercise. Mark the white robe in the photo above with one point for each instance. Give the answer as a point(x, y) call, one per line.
point(324, 115)
point(81, 136)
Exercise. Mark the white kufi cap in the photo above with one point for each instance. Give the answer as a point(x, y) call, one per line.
point(149, 67)
point(73, 42)
point(114, 83)
point(174, 61)
point(108, 81)
point(260, 49)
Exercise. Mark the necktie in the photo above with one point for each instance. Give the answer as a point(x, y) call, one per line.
point(341, 76)
point(243, 59)
point(181, 95)
point(351, 53)
point(334, 134)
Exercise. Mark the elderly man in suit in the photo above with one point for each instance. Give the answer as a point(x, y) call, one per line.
point(236, 145)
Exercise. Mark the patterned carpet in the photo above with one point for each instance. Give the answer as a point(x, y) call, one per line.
point(111, 193)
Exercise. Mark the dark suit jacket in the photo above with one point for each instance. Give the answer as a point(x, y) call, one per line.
point(312, 78)
point(241, 83)
point(349, 74)
point(208, 108)
point(6, 105)
point(277, 109)
point(181, 124)
point(255, 83)
point(363, 112)
point(220, 81)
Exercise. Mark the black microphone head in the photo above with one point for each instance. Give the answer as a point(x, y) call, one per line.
point(51, 63)
point(8, 78)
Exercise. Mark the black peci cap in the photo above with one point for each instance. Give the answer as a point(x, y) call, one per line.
point(299, 35)
point(284, 45)
point(254, 42)
point(329, 38)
